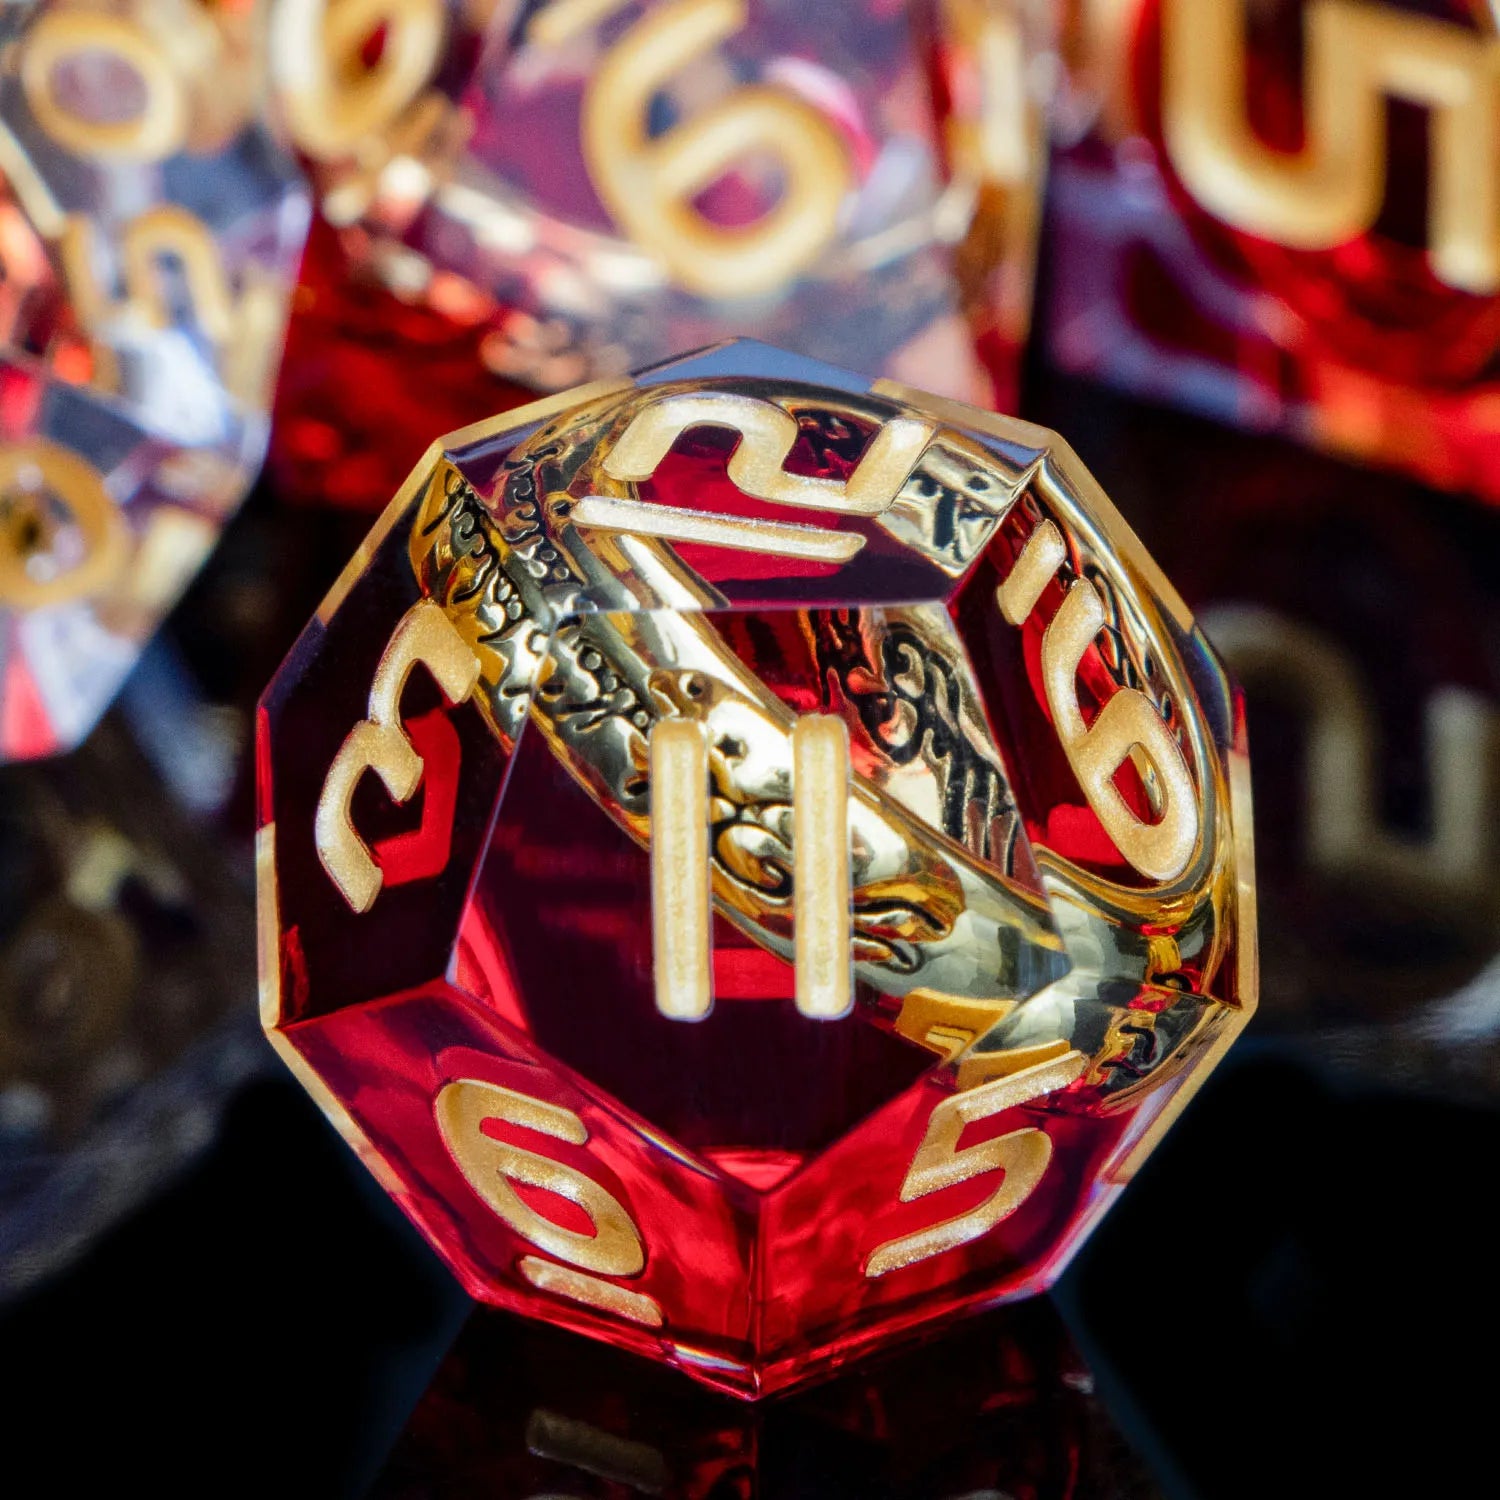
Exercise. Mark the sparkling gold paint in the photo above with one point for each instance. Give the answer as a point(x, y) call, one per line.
point(769, 433)
point(681, 957)
point(380, 744)
point(491, 1165)
point(1128, 724)
point(579, 1286)
point(1021, 1155)
point(673, 523)
point(1034, 569)
point(1233, 1018)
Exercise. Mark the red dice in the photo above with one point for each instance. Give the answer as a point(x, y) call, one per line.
point(1287, 214)
point(579, 189)
point(753, 859)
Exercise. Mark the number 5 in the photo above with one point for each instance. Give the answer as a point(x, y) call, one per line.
point(1022, 1155)
point(1331, 190)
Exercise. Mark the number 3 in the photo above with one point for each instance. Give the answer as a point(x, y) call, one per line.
point(380, 744)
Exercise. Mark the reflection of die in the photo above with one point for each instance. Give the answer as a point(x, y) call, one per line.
point(151, 228)
point(1002, 1407)
point(1288, 215)
point(954, 894)
point(621, 181)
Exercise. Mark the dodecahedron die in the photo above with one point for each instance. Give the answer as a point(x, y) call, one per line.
point(803, 862)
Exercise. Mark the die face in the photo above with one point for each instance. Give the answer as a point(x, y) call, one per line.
point(816, 200)
point(103, 524)
point(152, 232)
point(1380, 883)
point(1042, 933)
point(622, 182)
point(1222, 247)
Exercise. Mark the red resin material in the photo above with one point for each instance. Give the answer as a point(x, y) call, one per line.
point(758, 1158)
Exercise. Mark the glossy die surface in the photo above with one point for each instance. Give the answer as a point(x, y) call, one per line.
point(1360, 612)
point(149, 234)
point(629, 179)
point(805, 865)
point(1287, 215)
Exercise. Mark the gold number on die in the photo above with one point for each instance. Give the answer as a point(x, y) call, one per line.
point(380, 744)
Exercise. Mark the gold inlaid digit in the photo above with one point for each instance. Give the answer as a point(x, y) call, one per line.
point(61, 534)
point(649, 182)
point(1357, 56)
point(380, 744)
point(680, 905)
point(1127, 727)
point(492, 1167)
point(334, 99)
point(237, 325)
point(1022, 1155)
point(769, 432)
point(821, 882)
point(682, 868)
point(157, 130)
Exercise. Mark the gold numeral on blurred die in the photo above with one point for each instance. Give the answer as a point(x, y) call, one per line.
point(1358, 55)
point(61, 534)
point(649, 182)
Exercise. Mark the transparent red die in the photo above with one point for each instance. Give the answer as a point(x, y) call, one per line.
point(752, 859)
